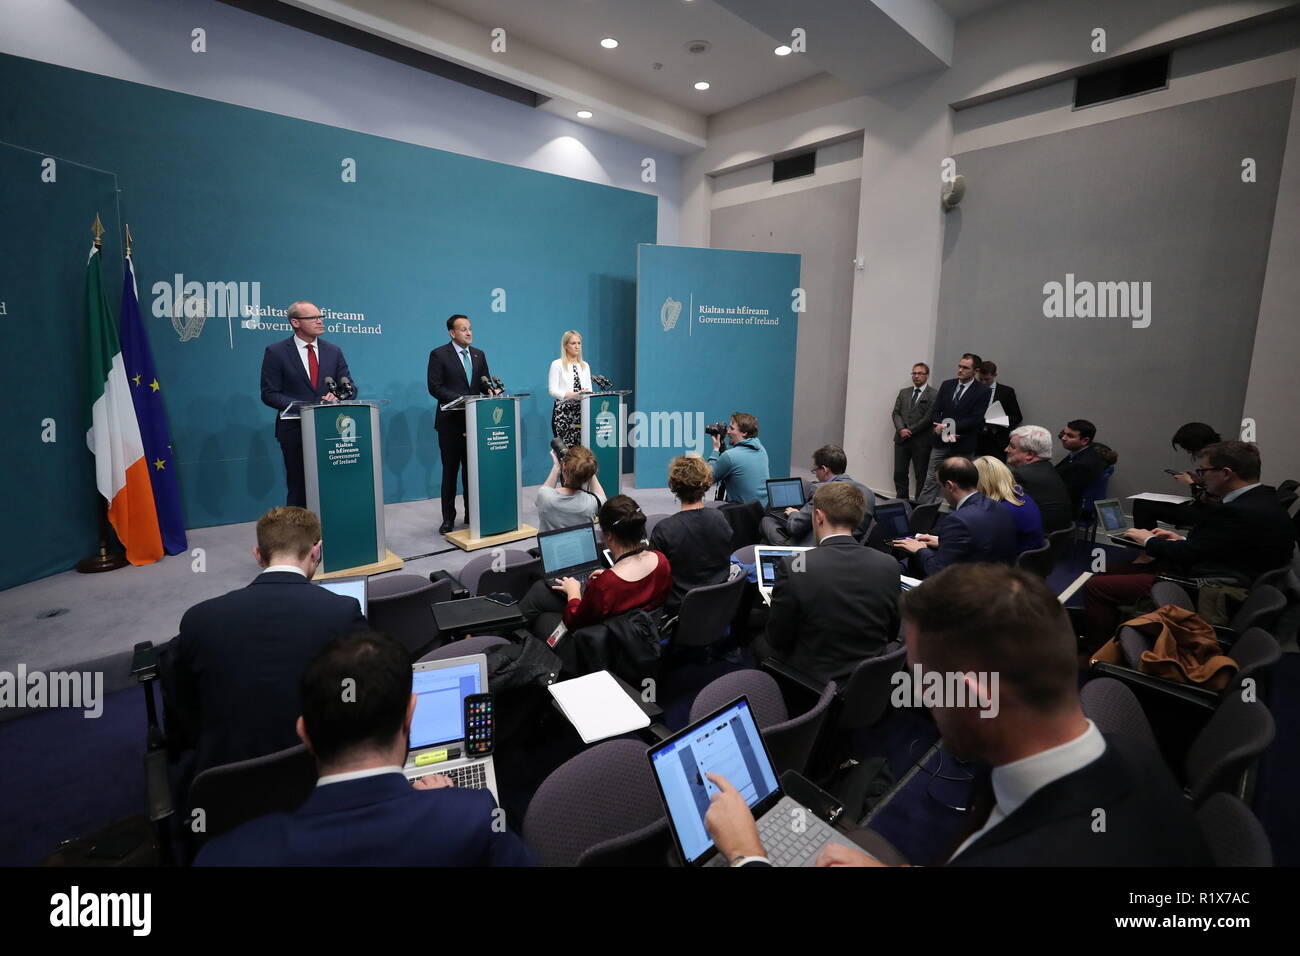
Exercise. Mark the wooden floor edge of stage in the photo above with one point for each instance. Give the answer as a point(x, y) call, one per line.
point(391, 562)
point(462, 540)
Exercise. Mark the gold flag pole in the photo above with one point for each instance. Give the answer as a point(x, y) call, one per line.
point(129, 240)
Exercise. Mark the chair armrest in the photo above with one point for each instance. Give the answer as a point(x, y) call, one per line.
point(1197, 696)
point(144, 662)
point(785, 674)
point(1225, 634)
point(802, 790)
point(458, 590)
point(659, 731)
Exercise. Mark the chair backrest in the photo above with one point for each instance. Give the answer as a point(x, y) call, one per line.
point(1096, 493)
point(707, 612)
point(1234, 834)
point(1227, 747)
point(1115, 710)
point(235, 793)
point(1133, 642)
point(1167, 592)
point(1255, 653)
point(477, 644)
point(515, 579)
point(923, 518)
point(1038, 560)
point(476, 566)
point(744, 520)
point(651, 521)
point(1260, 609)
point(1060, 542)
point(866, 694)
point(761, 688)
point(401, 605)
point(792, 742)
point(604, 793)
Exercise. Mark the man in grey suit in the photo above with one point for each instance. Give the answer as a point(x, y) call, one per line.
point(795, 527)
point(912, 431)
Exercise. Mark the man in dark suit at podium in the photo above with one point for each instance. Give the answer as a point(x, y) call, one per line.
point(295, 370)
point(455, 370)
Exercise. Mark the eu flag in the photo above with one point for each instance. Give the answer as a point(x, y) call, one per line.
point(146, 393)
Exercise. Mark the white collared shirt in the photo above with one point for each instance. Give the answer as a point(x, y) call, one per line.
point(963, 501)
point(466, 359)
point(286, 567)
point(356, 775)
point(1014, 783)
point(1234, 495)
point(302, 354)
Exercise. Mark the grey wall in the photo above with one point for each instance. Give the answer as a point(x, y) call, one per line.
point(1154, 198)
point(821, 225)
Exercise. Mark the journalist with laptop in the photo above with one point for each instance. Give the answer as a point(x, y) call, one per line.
point(789, 521)
point(364, 811)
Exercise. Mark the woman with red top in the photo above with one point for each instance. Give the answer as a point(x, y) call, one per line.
point(640, 578)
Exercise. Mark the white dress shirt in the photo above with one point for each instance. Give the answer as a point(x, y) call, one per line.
point(302, 354)
point(286, 567)
point(356, 775)
point(1014, 783)
point(560, 380)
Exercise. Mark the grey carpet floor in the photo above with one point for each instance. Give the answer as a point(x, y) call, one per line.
point(91, 622)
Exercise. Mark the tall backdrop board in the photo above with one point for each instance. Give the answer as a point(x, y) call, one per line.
point(341, 455)
point(716, 332)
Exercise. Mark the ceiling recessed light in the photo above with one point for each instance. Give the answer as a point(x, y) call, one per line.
point(702, 85)
point(609, 43)
point(783, 50)
point(584, 114)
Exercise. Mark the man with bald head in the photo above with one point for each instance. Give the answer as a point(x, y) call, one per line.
point(295, 370)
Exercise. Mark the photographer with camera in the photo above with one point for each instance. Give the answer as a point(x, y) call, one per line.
point(741, 471)
point(577, 496)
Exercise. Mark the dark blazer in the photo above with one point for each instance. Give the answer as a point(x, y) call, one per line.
point(995, 437)
point(1079, 474)
point(980, 530)
point(284, 379)
point(1246, 537)
point(799, 524)
point(447, 382)
point(239, 660)
point(1043, 483)
point(839, 610)
point(968, 414)
point(374, 821)
point(1148, 821)
point(915, 417)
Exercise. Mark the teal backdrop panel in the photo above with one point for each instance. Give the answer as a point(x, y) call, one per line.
point(716, 334)
point(47, 483)
point(494, 454)
point(239, 212)
point(345, 476)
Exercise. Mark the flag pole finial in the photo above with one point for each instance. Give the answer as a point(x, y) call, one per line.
point(98, 230)
point(129, 240)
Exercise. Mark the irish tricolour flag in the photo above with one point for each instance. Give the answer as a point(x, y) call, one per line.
point(121, 472)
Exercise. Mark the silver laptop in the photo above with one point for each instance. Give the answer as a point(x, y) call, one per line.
point(438, 728)
point(1112, 521)
point(349, 587)
point(766, 559)
point(728, 743)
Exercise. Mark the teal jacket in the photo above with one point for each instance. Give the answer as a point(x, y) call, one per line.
point(744, 469)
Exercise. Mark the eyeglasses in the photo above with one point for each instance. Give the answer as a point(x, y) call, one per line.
point(1200, 472)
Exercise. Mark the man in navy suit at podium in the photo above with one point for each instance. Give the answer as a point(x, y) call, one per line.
point(296, 370)
point(455, 370)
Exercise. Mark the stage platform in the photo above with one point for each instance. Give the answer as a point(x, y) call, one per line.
point(80, 622)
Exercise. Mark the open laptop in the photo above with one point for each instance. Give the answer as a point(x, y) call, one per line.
point(784, 493)
point(438, 728)
point(766, 559)
point(569, 552)
point(728, 743)
point(1112, 521)
point(892, 518)
point(349, 587)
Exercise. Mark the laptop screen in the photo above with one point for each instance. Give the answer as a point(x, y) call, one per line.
point(569, 548)
point(892, 517)
point(1111, 515)
point(348, 587)
point(768, 559)
point(726, 743)
point(440, 694)
point(785, 492)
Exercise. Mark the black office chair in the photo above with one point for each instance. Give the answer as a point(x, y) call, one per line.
point(235, 793)
point(1038, 560)
point(923, 518)
point(1115, 710)
point(706, 613)
point(400, 606)
point(1224, 753)
point(1234, 834)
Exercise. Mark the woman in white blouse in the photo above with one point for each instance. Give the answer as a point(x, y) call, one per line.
point(570, 377)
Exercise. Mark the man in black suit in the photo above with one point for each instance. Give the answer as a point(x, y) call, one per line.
point(235, 668)
point(977, 529)
point(295, 370)
point(993, 438)
point(836, 605)
point(1241, 538)
point(956, 419)
point(1055, 777)
point(363, 811)
point(1082, 465)
point(1029, 455)
point(913, 434)
point(455, 370)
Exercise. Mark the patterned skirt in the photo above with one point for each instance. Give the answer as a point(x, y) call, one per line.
point(566, 422)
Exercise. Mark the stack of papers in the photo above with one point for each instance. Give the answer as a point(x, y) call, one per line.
point(598, 707)
point(1157, 496)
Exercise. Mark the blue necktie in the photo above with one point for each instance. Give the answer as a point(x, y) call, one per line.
point(464, 360)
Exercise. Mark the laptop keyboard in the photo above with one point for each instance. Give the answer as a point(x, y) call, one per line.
point(785, 846)
point(468, 777)
point(581, 578)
